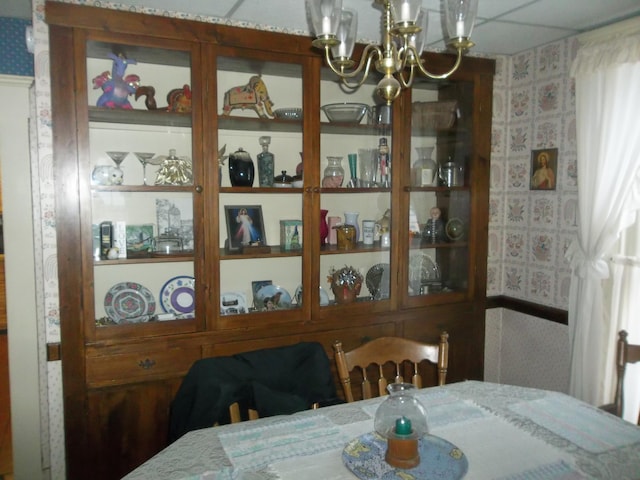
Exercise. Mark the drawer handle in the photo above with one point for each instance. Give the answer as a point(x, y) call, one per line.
point(146, 364)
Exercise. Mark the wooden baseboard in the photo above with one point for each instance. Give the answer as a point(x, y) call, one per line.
point(530, 308)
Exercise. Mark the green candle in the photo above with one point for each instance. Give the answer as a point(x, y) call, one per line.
point(403, 426)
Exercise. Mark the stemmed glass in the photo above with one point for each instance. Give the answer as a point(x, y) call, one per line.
point(118, 158)
point(144, 158)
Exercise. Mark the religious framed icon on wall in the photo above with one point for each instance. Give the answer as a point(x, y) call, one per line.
point(544, 167)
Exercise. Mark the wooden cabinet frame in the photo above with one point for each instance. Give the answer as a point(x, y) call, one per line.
point(118, 387)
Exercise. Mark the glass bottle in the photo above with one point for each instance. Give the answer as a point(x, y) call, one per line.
point(333, 173)
point(265, 163)
point(384, 161)
point(424, 169)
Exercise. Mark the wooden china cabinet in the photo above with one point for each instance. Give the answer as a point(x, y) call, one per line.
point(180, 286)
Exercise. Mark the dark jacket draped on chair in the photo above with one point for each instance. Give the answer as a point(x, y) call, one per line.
point(273, 381)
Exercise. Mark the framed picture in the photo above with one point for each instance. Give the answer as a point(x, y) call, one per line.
point(245, 226)
point(255, 288)
point(544, 166)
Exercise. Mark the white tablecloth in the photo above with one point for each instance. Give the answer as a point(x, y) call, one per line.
point(506, 432)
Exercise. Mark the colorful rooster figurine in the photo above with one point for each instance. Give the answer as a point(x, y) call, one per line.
point(178, 99)
point(115, 86)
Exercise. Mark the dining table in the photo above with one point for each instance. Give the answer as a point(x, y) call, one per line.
point(477, 430)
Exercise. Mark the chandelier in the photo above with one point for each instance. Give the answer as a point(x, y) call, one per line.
point(403, 38)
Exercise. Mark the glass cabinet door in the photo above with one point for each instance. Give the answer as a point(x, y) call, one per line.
point(355, 172)
point(141, 173)
point(260, 202)
point(439, 192)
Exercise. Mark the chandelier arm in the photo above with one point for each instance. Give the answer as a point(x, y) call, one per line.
point(406, 83)
point(442, 75)
point(368, 54)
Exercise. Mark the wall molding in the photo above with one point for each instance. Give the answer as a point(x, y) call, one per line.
point(530, 308)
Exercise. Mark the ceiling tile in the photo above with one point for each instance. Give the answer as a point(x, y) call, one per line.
point(582, 15)
point(509, 38)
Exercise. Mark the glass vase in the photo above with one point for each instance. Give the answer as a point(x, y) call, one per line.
point(334, 173)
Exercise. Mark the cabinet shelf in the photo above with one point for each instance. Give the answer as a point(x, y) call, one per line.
point(146, 259)
point(360, 248)
point(259, 124)
point(355, 129)
point(418, 245)
point(260, 190)
point(435, 189)
point(139, 117)
point(343, 190)
point(143, 188)
point(276, 251)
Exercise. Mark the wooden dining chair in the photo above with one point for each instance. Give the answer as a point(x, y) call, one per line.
point(383, 351)
point(236, 414)
point(625, 353)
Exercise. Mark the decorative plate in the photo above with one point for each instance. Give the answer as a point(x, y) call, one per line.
point(423, 269)
point(439, 459)
point(177, 295)
point(232, 303)
point(454, 229)
point(324, 297)
point(129, 302)
point(273, 297)
point(377, 280)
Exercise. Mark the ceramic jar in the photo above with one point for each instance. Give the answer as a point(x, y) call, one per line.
point(241, 169)
point(346, 237)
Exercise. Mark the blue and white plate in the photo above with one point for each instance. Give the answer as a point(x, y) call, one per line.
point(178, 295)
point(439, 459)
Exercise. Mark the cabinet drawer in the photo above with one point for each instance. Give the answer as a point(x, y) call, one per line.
point(134, 367)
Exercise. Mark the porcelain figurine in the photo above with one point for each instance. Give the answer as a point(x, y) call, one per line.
point(178, 99)
point(253, 95)
point(115, 86)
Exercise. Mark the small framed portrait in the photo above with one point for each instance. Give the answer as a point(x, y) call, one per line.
point(256, 285)
point(544, 167)
point(245, 226)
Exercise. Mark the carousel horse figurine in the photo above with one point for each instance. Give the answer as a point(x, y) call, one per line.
point(178, 99)
point(115, 86)
point(254, 95)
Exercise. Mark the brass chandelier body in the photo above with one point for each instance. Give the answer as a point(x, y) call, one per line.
point(398, 58)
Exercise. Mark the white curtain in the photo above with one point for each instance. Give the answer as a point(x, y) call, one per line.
point(607, 76)
point(622, 294)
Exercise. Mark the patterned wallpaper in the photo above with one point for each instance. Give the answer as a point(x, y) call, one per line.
point(529, 230)
point(14, 57)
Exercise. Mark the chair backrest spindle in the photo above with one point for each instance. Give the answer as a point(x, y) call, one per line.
point(384, 350)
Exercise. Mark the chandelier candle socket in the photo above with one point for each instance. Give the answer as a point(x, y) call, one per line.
point(398, 56)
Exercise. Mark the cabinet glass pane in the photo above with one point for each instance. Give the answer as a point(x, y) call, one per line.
point(140, 170)
point(355, 139)
point(439, 199)
point(261, 235)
